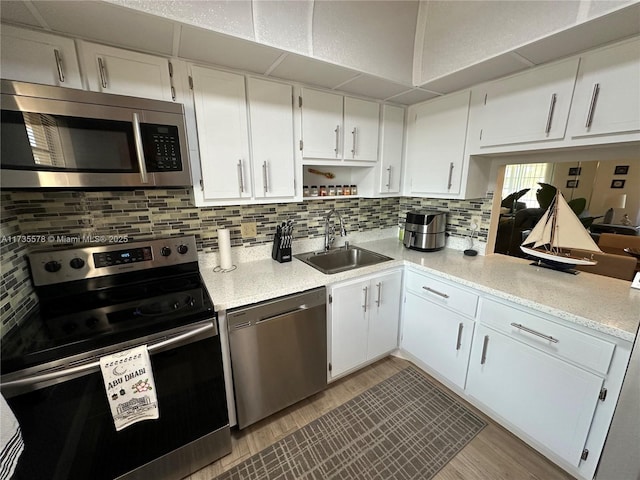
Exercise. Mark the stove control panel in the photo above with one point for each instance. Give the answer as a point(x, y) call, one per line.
point(81, 262)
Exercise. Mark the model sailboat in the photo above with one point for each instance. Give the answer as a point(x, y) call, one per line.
point(557, 233)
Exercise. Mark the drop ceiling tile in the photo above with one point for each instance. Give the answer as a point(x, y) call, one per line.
point(108, 23)
point(310, 71)
point(217, 49)
point(17, 13)
point(413, 96)
point(373, 87)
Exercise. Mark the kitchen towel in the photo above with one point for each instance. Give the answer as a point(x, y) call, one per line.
point(131, 390)
point(11, 443)
point(224, 246)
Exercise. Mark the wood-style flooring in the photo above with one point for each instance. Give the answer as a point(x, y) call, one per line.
point(494, 454)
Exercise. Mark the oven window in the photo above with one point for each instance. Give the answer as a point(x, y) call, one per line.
point(69, 432)
point(36, 141)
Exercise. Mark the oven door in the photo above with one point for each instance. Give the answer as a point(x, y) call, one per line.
point(69, 433)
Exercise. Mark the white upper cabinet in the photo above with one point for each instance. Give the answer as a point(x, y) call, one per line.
point(37, 57)
point(336, 127)
point(607, 96)
point(271, 119)
point(113, 70)
point(223, 137)
point(528, 107)
point(392, 136)
point(436, 137)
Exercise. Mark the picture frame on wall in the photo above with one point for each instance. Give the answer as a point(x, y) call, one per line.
point(621, 170)
point(574, 172)
point(572, 183)
point(617, 183)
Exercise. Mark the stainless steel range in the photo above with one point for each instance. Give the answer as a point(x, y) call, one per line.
point(97, 300)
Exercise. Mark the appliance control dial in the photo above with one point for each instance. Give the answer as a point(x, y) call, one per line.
point(182, 249)
point(52, 266)
point(76, 263)
point(165, 251)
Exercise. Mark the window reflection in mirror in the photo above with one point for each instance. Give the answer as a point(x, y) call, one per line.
point(611, 189)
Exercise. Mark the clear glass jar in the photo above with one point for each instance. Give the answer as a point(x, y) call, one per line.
point(332, 190)
point(314, 190)
point(339, 190)
point(354, 190)
point(323, 190)
point(346, 190)
point(306, 191)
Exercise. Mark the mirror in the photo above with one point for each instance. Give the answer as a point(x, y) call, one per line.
point(611, 190)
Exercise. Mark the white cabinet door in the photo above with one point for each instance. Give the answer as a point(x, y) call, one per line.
point(221, 115)
point(361, 125)
point(322, 131)
point(271, 119)
point(551, 401)
point(607, 96)
point(435, 145)
point(529, 107)
point(392, 133)
point(36, 57)
point(384, 308)
point(113, 70)
point(349, 326)
point(438, 337)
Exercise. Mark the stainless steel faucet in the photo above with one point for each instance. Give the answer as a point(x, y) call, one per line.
point(330, 229)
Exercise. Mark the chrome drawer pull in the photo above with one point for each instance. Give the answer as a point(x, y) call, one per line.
point(431, 290)
point(485, 343)
point(533, 332)
point(459, 341)
point(592, 105)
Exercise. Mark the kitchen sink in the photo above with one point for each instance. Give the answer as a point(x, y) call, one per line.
point(341, 259)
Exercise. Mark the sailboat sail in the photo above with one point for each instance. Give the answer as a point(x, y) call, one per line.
point(559, 229)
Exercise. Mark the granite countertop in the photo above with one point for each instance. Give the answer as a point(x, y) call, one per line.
point(604, 304)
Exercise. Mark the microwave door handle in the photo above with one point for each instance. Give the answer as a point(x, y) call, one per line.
point(137, 135)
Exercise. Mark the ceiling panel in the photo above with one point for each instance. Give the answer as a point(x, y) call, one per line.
point(312, 72)
point(413, 96)
point(108, 23)
point(16, 12)
point(284, 25)
point(373, 87)
point(217, 49)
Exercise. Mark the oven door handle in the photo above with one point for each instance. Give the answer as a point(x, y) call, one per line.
point(89, 367)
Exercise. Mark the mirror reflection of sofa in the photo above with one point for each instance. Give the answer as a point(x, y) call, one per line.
point(513, 228)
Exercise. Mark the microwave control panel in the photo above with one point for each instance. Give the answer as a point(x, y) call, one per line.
point(162, 148)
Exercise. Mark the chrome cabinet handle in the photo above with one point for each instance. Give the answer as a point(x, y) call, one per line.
point(354, 133)
point(485, 343)
point(388, 178)
point(366, 294)
point(519, 326)
point(56, 53)
point(103, 72)
point(379, 286)
point(137, 136)
point(450, 176)
point(240, 176)
point(431, 290)
point(459, 340)
point(337, 131)
point(592, 105)
point(265, 180)
point(552, 107)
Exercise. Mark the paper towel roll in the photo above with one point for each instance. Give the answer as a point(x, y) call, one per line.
point(224, 245)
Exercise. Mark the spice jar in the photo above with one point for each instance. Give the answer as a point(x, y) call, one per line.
point(339, 190)
point(306, 191)
point(332, 190)
point(354, 190)
point(314, 190)
point(323, 190)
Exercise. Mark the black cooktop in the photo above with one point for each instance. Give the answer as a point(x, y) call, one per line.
point(84, 316)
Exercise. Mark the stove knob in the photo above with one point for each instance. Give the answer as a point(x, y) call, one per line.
point(76, 263)
point(52, 266)
point(165, 251)
point(182, 249)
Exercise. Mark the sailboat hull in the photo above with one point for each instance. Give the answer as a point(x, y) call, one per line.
point(557, 259)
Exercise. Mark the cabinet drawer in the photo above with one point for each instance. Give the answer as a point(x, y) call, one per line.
point(443, 293)
point(548, 336)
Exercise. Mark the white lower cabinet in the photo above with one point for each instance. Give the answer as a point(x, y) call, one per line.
point(550, 400)
point(364, 316)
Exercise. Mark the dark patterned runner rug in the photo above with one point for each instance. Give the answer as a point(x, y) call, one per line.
point(402, 428)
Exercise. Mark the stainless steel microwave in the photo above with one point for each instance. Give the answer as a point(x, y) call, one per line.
point(67, 138)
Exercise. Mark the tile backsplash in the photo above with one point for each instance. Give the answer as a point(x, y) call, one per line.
point(141, 214)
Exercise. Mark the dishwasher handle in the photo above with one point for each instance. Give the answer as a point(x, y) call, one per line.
point(281, 315)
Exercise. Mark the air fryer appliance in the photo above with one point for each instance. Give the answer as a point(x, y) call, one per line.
point(425, 231)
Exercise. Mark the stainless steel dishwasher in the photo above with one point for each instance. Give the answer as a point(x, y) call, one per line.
point(278, 353)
